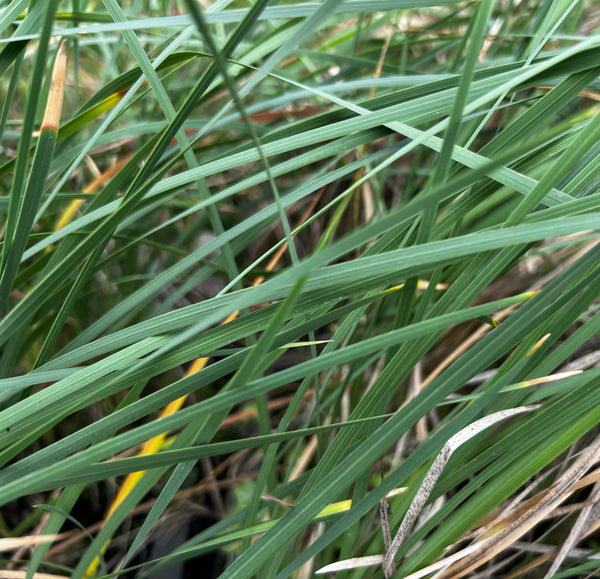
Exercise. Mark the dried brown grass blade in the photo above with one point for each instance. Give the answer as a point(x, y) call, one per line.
point(511, 528)
point(576, 532)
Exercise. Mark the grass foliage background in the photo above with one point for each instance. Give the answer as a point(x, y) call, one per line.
point(424, 170)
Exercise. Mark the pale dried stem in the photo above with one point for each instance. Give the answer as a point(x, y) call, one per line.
point(306, 571)
point(307, 455)
point(576, 532)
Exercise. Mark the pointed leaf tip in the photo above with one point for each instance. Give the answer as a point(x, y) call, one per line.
point(57, 87)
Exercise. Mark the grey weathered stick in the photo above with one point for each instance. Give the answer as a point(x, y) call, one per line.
point(385, 523)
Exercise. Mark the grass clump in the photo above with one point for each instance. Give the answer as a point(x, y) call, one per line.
point(282, 267)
